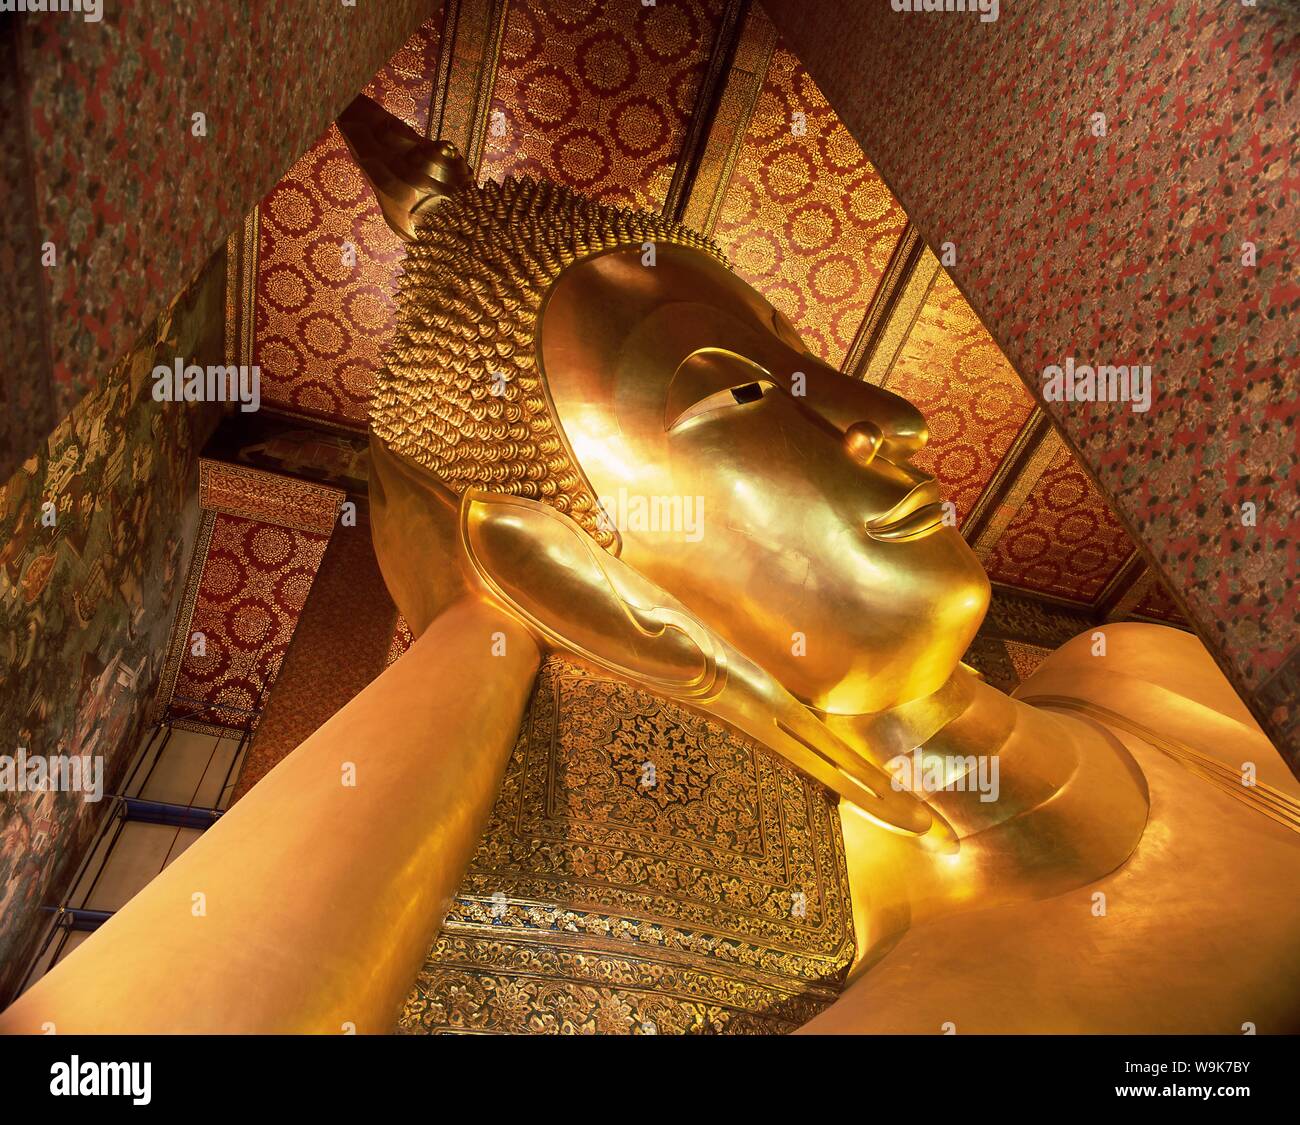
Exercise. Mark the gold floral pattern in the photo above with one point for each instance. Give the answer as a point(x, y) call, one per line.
point(807, 220)
point(710, 895)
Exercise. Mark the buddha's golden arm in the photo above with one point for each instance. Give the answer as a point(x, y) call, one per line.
point(319, 898)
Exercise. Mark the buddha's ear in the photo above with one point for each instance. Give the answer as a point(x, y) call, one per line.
point(408, 173)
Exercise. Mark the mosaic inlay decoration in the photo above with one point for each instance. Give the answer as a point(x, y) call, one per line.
point(240, 491)
point(643, 871)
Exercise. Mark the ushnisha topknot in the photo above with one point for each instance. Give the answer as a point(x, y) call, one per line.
point(467, 307)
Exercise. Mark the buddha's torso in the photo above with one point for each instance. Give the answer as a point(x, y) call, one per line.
point(646, 870)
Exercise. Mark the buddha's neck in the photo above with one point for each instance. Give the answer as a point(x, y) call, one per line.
point(882, 735)
point(1040, 802)
point(971, 752)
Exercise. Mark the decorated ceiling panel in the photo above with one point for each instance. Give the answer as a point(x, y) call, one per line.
point(324, 314)
point(806, 220)
point(596, 96)
point(1064, 540)
point(254, 581)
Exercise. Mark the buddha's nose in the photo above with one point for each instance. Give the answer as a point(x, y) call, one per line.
point(873, 420)
point(863, 441)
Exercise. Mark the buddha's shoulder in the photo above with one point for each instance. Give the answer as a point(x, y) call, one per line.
point(1198, 931)
point(1161, 685)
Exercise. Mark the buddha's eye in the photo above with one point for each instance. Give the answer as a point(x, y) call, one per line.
point(740, 394)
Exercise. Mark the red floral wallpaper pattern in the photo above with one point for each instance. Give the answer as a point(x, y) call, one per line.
point(807, 220)
point(322, 323)
point(1064, 540)
point(255, 579)
point(595, 94)
point(340, 644)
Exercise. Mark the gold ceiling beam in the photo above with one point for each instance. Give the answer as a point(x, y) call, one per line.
point(880, 312)
point(708, 100)
point(889, 319)
point(241, 291)
point(1126, 589)
point(1017, 474)
point(700, 199)
point(468, 53)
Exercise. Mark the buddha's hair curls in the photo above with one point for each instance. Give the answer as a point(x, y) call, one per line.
point(459, 392)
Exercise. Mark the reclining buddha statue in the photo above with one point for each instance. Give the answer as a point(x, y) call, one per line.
point(684, 742)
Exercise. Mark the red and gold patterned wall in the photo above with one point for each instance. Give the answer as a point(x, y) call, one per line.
point(328, 264)
point(970, 395)
point(255, 578)
point(596, 96)
point(105, 161)
point(806, 220)
point(1064, 540)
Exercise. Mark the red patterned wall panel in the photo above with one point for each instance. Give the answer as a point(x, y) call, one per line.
point(970, 395)
point(807, 221)
point(595, 95)
point(340, 644)
point(322, 324)
point(255, 579)
point(1064, 540)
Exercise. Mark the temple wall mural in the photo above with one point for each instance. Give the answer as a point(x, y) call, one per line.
point(90, 591)
point(73, 78)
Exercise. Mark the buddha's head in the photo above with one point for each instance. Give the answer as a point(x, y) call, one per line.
point(609, 364)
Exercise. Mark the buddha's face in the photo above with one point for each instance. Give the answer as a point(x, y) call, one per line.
point(771, 495)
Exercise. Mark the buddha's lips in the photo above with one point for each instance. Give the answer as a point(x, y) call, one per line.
point(917, 514)
point(912, 526)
